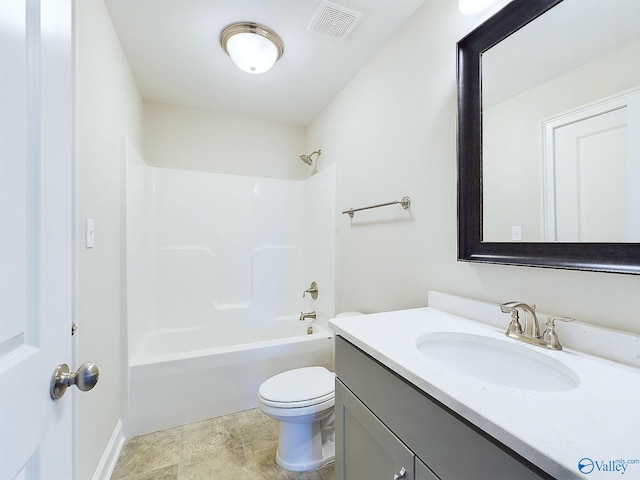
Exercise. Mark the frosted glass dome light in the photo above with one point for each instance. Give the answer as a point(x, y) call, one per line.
point(252, 47)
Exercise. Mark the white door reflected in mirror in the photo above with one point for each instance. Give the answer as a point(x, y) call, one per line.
point(591, 170)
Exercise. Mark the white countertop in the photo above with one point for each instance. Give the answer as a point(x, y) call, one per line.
point(598, 420)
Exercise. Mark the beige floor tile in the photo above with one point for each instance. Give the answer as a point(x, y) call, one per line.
point(167, 473)
point(240, 447)
point(221, 433)
point(148, 452)
point(257, 428)
point(223, 464)
point(315, 475)
point(328, 472)
point(262, 465)
point(261, 459)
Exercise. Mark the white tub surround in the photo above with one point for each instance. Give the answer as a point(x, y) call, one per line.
point(212, 250)
point(597, 420)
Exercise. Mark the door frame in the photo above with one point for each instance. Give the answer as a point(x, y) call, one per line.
point(75, 17)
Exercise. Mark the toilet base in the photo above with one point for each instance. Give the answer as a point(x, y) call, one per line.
point(328, 456)
point(301, 447)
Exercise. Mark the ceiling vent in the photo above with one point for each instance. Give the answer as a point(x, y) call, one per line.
point(334, 20)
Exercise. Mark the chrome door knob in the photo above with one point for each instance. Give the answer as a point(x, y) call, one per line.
point(85, 379)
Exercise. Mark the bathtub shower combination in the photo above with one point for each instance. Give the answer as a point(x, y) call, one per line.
point(216, 268)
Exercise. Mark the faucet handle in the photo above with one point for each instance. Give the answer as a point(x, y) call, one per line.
point(313, 290)
point(551, 320)
point(550, 336)
point(514, 325)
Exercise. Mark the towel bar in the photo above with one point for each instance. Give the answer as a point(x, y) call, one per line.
point(405, 202)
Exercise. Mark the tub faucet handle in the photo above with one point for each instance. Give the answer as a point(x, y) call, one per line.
point(313, 290)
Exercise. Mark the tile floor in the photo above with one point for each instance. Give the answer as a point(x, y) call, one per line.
point(241, 446)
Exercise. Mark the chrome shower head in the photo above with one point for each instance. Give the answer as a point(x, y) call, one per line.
point(308, 158)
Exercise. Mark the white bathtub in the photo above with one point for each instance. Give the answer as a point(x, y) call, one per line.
point(183, 376)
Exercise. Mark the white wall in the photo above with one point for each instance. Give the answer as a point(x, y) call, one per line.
point(392, 132)
point(108, 107)
point(191, 139)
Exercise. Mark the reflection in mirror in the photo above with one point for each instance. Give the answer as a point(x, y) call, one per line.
point(561, 127)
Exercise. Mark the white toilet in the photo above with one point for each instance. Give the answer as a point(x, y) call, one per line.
point(303, 401)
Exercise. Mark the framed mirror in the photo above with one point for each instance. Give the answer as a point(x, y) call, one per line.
point(519, 201)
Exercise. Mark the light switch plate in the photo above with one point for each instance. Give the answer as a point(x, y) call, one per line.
point(89, 233)
point(516, 233)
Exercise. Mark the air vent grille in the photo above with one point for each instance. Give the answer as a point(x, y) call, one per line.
point(334, 20)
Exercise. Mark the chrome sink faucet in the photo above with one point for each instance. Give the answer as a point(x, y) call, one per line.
point(531, 331)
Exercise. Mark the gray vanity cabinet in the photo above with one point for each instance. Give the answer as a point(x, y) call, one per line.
point(385, 424)
point(423, 472)
point(366, 448)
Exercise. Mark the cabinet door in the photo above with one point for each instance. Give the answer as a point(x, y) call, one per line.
point(365, 448)
point(423, 472)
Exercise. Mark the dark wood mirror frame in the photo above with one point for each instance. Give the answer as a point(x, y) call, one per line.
point(603, 257)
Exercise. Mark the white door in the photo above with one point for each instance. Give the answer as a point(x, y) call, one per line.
point(591, 179)
point(36, 240)
point(593, 172)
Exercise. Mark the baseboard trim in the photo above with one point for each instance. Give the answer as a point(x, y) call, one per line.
point(110, 455)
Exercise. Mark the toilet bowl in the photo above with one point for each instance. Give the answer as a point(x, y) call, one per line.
point(302, 400)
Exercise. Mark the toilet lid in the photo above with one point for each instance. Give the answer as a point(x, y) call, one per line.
point(299, 387)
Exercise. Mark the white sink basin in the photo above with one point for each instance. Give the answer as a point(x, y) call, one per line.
point(496, 361)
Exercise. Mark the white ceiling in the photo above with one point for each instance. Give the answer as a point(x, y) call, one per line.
point(176, 58)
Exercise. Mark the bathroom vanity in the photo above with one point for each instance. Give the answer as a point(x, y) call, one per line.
point(402, 415)
point(388, 427)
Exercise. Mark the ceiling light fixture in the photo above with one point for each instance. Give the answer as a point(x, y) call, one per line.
point(253, 48)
